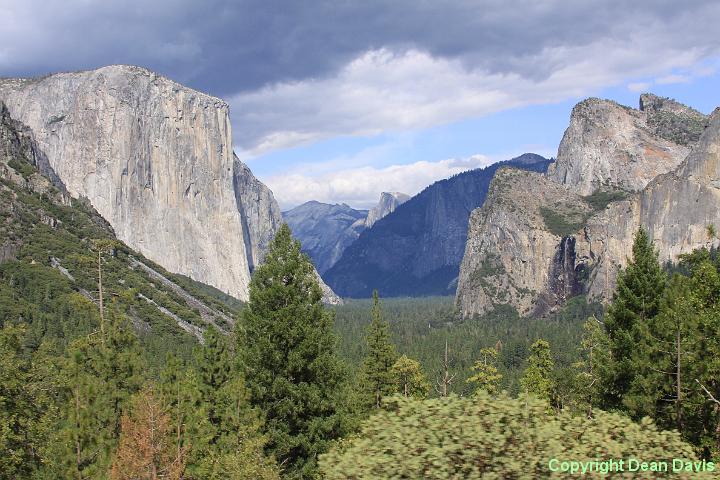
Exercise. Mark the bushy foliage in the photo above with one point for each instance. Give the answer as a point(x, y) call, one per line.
point(494, 438)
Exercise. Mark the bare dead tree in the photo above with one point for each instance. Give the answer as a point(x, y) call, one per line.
point(443, 383)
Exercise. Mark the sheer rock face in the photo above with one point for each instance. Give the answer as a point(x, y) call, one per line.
point(389, 201)
point(675, 209)
point(154, 158)
point(611, 146)
point(512, 246)
point(511, 256)
point(259, 212)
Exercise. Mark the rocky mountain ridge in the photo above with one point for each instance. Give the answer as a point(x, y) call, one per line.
point(540, 240)
point(611, 146)
point(45, 230)
point(417, 249)
point(325, 230)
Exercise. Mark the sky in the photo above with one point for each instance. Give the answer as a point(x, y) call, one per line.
point(340, 100)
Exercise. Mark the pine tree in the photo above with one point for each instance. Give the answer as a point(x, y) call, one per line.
point(486, 375)
point(20, 407)
point(701, 402)
point(229, 443)
point(101, 372)
point(288, 352)
point(666, 363)
point(537, 378)
point(595, 357)
point(377, 374)
point(410, 381)
point(635, 303)
point(147, 448)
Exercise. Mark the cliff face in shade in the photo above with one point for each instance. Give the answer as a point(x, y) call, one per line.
point(155, 159)
point(416, 250)
point(538, 241)
point(325, 230)
point(389, 201)
point(259, 212)
point(611, 146)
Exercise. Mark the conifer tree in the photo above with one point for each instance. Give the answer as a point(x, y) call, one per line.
point(594, 359)
point(537, 378)
point(635, 303)
point(230, 443)
point(666, 364)
point(20, 409)
point(188, 412)
point(288, 355)
point(486, 375)
point(410, 381)
point(101, 373)
point(377, 373)
point(146, 448)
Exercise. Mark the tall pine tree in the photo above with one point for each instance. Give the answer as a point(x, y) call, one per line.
point(486, 376)
point(537, 378)
point(410, 381)
point(635, 303)
point(377, 376)
point(288, 355)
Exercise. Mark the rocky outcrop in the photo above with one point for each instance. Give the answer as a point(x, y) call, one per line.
point(417, 249)
point(672, 120)
point(675, 209)
point(389, 201)
point(155, 159)
point(611, 146)
point(537, 242)
point(517, 251)
point(325, 230)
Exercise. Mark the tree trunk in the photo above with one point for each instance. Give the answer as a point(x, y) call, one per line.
point(100, 299)
point(678, 400)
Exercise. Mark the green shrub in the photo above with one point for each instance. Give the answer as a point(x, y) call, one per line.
point(496, 438)
point(600, 199)
point(559, 224)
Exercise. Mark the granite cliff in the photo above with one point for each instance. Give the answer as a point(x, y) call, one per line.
point(389, 201)
point(611, 146)
point(155, 159)
point(540, 240)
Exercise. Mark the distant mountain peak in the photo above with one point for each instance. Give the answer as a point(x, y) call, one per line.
point(389, 201)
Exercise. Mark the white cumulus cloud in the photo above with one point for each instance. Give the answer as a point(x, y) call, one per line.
point(361, 187)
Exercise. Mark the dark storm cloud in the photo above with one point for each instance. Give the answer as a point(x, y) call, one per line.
point(226, 47)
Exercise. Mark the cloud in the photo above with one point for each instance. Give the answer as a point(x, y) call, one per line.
point(639, 86)
point(673, 78)
point(361, 187)
point(383, 90)
point(231, 46)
